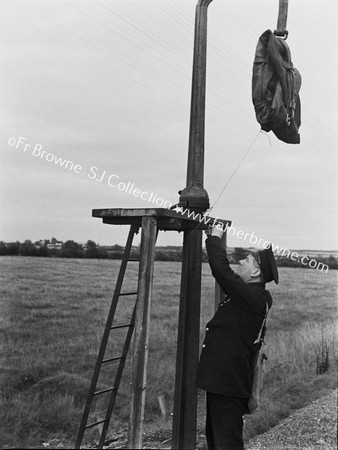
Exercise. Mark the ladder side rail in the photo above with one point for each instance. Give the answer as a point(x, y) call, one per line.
point(85, 415)
point(117, 381)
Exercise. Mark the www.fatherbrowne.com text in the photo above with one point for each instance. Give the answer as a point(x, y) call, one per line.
point(254, 240)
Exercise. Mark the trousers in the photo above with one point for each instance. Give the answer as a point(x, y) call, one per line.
point(224, 422)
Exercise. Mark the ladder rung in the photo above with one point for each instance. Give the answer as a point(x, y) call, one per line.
point(134, 259)
point(115, 327)
point(112, 359)
point(128, 293)
point(95, 423)
point(104, 390)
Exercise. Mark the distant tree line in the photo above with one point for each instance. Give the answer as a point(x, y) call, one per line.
point(68, 249)
point(330, 261)
point(72, 249)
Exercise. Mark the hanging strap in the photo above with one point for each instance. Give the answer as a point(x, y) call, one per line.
point(259, 337)
point(282, 18)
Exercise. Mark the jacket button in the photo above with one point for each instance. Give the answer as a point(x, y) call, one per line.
point(203, 345)
point(207, 329)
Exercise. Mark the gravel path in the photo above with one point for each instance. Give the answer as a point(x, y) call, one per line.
point(312, 427)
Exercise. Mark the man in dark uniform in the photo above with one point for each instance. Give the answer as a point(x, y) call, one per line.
point(224, 368)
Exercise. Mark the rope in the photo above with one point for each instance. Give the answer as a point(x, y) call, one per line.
point(227, 183)
point(234, 172)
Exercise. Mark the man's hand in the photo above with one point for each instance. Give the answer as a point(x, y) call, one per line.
point(216, 230)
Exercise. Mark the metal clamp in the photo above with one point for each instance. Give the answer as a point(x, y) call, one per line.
point(282, 19)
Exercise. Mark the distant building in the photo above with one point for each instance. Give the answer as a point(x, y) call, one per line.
point(54, 245)
point(39, 243)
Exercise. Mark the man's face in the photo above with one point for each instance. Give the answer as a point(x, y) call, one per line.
point(247, 267)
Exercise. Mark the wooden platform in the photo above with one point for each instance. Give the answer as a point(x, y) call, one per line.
point(167, 219)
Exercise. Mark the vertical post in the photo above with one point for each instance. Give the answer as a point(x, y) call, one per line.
point(195, 197)
point(141, 331)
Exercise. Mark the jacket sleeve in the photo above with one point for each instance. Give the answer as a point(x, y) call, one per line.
point(230, 282)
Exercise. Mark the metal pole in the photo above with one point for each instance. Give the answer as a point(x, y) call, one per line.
point(195, 197)
point(282, 15)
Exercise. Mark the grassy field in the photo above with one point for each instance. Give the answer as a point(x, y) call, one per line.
point(53, 313)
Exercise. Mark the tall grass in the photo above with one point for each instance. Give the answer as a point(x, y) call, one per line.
point(52, 318)
point(291, 379)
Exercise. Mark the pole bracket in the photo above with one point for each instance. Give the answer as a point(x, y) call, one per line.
point(281, 30)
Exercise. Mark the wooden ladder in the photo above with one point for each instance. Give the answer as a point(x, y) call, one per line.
point(140, 323)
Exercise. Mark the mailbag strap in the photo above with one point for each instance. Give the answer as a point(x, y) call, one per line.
point(259, 337)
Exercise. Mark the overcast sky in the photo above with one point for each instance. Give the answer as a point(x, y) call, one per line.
point(106, 85)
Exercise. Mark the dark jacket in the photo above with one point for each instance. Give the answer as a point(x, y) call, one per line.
point(224, 366)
